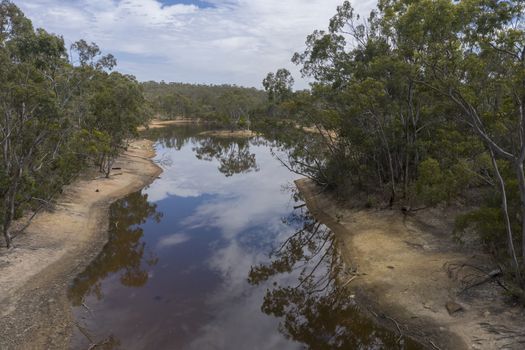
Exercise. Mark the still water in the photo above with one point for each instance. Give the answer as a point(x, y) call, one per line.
point(218, 254)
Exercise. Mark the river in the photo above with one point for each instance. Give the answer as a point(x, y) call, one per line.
point(218, 253)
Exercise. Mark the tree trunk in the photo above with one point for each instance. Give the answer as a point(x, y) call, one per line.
point(505, 210)
point(7, 237)
point(521, 182)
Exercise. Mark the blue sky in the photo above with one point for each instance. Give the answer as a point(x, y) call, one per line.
point(195, 41)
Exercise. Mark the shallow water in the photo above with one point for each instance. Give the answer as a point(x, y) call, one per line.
point(213, 255)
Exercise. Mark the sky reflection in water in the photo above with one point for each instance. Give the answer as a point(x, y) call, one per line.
point(174, 274)
point(199, 232)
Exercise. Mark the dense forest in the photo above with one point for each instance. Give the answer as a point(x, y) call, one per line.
point(229, 105)
point(59, 112)
point(416, 109)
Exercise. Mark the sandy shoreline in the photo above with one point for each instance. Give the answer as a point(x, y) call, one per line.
point(408, 272)
point(229, 133)
point(159, 124)
point(35, 274)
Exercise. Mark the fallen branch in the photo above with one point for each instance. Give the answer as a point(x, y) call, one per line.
point(87, 308)
point(434, 345)
point(490, 276)
point(84, 332)
point(104, 342)
point(398, 328)
point(350, 280)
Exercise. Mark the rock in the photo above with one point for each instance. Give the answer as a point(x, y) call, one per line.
point(453, 307)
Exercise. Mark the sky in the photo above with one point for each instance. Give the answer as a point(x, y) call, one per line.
point(195, 41)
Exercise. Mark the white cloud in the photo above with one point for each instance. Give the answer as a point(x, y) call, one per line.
point(173, 240)
point(236, 41)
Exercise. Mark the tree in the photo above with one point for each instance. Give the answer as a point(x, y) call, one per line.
point(474, 58)
point(426, 108)
point(55, 116)
point(117, 109)
point(278, 85)
point(31, 119)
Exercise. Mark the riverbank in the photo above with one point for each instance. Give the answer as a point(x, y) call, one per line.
point(229, 133)
point(159, 124)
point(413, 278)
point(57, 245)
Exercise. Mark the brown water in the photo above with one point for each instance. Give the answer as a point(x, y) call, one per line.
point(213, 255)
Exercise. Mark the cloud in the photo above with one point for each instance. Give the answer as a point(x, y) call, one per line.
point(231, 41)
point(186, 177)
point(172, 240)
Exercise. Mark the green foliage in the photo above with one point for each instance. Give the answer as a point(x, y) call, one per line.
point(426, 101)
point(243, 123)
point(278, 86)
point(486, 221)
point(431, 184)
point(435, 184)
point(222, 103)
point(56, 117)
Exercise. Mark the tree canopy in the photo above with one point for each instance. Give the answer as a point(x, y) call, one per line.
point(56, 115)
point(427, 101)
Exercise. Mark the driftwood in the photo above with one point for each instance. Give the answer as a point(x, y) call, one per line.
point(102, 343)
point(473, 280)
point(434, 345)
point(350, 280)
point(401, 335)
point(490, 276)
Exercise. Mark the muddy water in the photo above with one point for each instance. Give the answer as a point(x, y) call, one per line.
point(216, 254)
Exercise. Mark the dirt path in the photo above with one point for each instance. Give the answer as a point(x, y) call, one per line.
point(35, 312)
point(410, 268)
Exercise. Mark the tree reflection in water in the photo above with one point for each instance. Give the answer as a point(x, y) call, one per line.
point(124, 252)
point(318, 311)
point(234, 155)
point(175, 137)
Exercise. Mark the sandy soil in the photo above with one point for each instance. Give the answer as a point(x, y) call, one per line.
point(228, 133)
point(409, 268)
point(158, 124)
point(330, 134)
point(35, 274)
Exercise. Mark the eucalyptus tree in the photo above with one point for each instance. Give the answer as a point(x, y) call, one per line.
point(31, 118)
point(56, 115)
point(278, 85)
point(473, 58)
point(427, 99)
point(369, 79)
point(117, 108)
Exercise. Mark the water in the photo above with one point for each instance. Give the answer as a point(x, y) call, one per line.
point(213, 255)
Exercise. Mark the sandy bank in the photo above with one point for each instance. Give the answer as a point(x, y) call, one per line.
point(228, 133)
point(158, 124)
point(410, 268)
point(329, 134)
point(35, 274)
